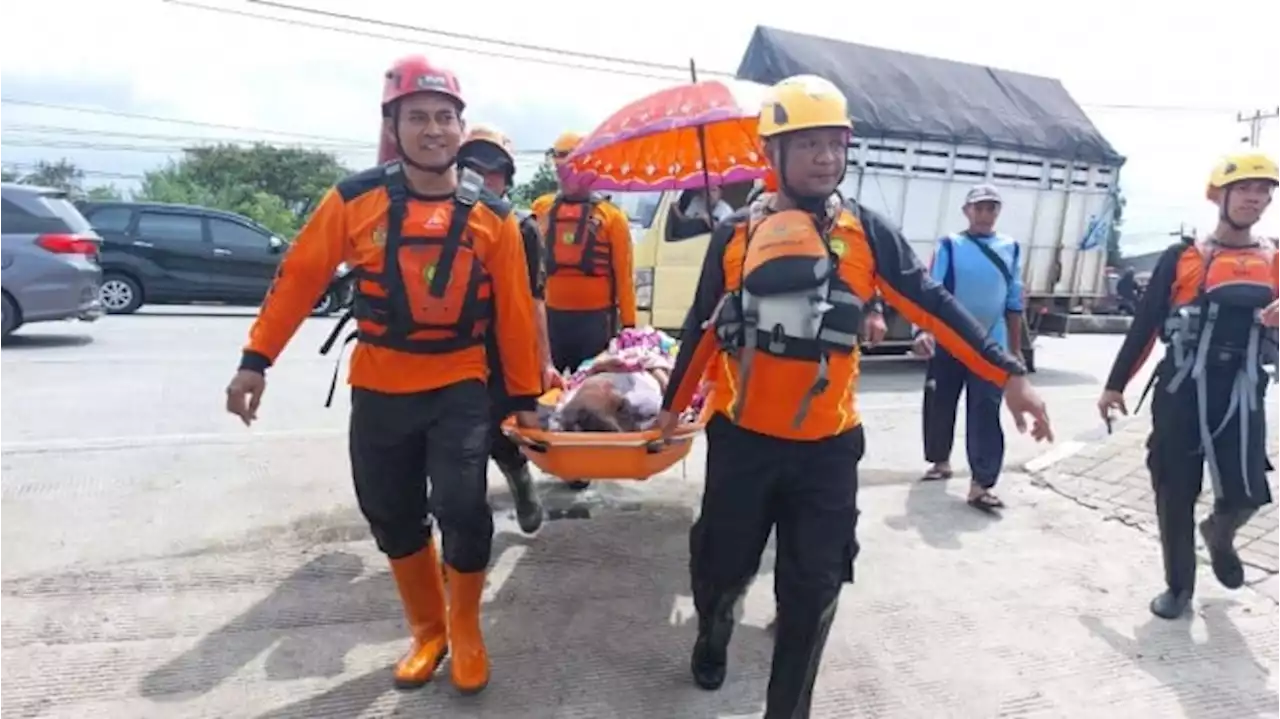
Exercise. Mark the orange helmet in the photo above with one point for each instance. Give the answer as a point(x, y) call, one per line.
point(413, 74)
point(487, 149)
point(566, 143)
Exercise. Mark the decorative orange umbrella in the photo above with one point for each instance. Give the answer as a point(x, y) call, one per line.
point(660, 141)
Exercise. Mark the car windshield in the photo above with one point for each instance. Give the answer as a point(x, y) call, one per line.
point(639, 206)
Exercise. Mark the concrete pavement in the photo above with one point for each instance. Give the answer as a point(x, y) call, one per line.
point(160, 561)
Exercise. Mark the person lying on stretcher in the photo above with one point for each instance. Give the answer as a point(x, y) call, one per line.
point(619, 390)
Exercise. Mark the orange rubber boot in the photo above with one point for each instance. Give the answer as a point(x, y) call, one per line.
point(421, 588)
point(470, 667)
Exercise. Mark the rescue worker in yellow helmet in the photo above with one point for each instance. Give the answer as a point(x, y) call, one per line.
point(1214, 305)
point(588, 256)
point(781, 297)
point(489, 152)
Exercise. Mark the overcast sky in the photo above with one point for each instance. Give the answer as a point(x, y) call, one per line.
point(161, 59)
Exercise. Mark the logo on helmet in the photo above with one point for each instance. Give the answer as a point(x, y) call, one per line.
point(427, 82)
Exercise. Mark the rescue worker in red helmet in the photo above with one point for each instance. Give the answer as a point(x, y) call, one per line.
point(1214, 305)
point(588, 255)
point(778, 307)
point(490, 153)
point(439, 267)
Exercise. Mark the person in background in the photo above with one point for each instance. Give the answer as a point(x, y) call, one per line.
point(590, 290)
point(697, 208)
point(982, 269)
point(489, 152)
point(1127, 291)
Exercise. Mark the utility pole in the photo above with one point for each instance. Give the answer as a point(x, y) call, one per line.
point(1255, 125)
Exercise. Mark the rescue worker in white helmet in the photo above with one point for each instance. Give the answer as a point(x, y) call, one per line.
point(439, 267)
point(1214, 305)
point(782, 295)
point(489, 152)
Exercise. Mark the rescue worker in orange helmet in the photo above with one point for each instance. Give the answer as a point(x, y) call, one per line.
point(588, 257)
point(439, 266)
point(781, 299)
point(1214, 305)
point(490, 153)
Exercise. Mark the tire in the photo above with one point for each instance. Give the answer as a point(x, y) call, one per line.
point(120, 294)
point(328, 303)
point(12, 317)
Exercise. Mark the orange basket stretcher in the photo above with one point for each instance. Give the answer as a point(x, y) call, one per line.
point(573, 456)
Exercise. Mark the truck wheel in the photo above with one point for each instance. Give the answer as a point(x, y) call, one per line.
point(1029, 359)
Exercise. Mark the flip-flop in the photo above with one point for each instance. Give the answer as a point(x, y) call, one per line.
point(934, 474)
point(986, 502)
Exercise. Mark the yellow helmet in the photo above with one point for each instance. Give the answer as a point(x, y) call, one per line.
point(1244, 166)
point(566, 143)
point(802, 102)
point(493, 136)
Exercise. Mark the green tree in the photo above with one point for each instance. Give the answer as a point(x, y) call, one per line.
point(9, 175)
point(542, 182)
point(62, 175)
point(104, 192)
point(1113, 238)
point(274, 186)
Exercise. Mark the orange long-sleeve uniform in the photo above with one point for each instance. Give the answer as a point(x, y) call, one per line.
point(571, 288)
point(350, 224)
point(874, 259)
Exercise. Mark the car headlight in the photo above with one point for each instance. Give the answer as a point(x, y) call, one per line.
point(644, 288)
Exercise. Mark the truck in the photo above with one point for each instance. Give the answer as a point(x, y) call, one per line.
point(925, 131)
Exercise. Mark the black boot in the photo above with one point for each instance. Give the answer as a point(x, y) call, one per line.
point(711, 649)
point(529, 512)
point(1178, 549)
point(1219, 532)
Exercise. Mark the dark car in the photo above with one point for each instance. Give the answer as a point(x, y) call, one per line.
point(50, 259)
point(163, 253)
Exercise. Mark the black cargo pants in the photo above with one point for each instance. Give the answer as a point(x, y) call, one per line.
point(808, 492)
point(576, 336)
point(397, 442)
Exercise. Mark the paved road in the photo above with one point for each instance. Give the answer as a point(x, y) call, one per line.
point(161, 561)
point(158, 377)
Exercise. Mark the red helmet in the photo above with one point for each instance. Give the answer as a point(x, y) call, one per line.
point(413, 74)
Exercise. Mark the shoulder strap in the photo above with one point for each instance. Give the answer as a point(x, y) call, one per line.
point(470, 185)
point(995, 259)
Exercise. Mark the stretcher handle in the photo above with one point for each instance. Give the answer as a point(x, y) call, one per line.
point(523, 441)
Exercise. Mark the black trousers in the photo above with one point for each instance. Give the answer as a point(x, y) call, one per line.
point(807, 491)
point(397, 442)
point(503, 451)
point(576, 336)
point(984, 438)
point(1175, 459)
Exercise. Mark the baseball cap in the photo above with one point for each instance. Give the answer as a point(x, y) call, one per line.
point(982, 193)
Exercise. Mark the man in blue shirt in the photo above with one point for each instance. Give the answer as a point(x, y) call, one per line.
point(983, 269)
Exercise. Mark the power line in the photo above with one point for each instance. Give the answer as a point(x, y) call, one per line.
point(78, 131)
point(416, 41)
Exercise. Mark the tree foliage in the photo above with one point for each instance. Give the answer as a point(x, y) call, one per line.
point(542, 182)
point(275, 186)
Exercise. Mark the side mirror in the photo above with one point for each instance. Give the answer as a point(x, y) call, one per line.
point(276, 243)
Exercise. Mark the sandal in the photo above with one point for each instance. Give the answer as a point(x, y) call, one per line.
point(986, 502)
point(935, 474)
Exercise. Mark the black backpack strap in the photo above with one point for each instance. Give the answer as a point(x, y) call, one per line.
point(398, 195)
point(550, 240)
point(995, 259)
point(470, 185)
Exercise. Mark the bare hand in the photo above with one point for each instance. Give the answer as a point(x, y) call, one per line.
point(923, 345)
point(244, 394)
point(1110, 401)
point(1022, 400)
point(551, 378)
point(667, 423)
point(874, 328)
point(1271, 315)
point(528, 420)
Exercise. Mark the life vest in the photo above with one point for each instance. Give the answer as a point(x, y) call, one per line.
point(789, 302)
point(433, 295)
point(571, 235)
point(1215, 327)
